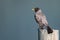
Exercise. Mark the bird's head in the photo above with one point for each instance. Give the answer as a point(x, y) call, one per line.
point(36, 9)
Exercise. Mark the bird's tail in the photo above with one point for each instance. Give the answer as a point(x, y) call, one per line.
point(49, 30)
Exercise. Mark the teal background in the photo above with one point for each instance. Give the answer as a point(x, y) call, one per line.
point(17, 19)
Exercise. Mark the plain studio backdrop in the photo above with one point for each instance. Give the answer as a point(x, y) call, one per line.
point(17, 19)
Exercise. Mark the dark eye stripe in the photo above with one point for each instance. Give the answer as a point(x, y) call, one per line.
point(36, 9)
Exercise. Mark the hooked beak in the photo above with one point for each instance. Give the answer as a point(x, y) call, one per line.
point(33, 9)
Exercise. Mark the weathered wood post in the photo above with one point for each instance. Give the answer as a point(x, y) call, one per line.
point(43, 35)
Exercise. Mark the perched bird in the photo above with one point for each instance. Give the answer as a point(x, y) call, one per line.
point(41, 20)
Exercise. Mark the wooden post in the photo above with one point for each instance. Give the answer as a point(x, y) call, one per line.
point(45, 36)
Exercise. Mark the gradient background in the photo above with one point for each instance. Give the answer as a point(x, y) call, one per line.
point(17, 19)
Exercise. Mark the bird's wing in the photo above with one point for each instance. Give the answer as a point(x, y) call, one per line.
point(44, 16)
point(36, 19)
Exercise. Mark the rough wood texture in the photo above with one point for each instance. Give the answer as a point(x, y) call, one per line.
point(45, 36)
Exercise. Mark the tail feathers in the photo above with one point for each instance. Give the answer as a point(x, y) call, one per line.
point(49, 30)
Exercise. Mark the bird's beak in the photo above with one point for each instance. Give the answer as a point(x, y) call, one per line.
point(33, 9)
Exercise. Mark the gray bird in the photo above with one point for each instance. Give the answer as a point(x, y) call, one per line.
point(41, 20)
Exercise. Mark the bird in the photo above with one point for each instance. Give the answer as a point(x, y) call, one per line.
point(41, 20)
